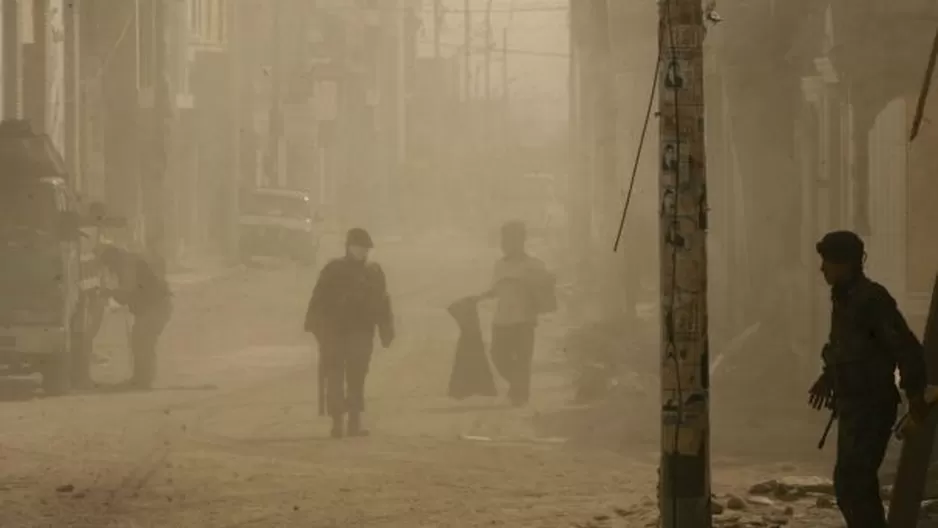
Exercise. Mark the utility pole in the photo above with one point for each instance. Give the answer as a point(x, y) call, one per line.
point(467, 25)
point(158, 119)
point(573, 127)
point(12, 61)
point(235, 77)
point(585, 91)
point(272, 176)
point(506, 82)
point(506, 87)
point(35, 66)
point(488, 54)
point(487, 117)
point(684, 498)
point(437, 27)
point(438, 158)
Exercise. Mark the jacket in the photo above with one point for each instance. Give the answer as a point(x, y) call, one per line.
point(350, 297)
point(869, 339)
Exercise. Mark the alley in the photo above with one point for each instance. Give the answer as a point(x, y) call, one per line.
point(230, 436)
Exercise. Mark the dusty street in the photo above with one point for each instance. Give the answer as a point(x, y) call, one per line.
point(230, 436)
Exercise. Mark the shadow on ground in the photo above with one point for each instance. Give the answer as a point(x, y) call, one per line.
point(125, 388)
point(467, 409)
point(27, 389)
point(740, 433)
point(602, 425)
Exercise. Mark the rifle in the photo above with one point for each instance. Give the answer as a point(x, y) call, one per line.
point(825, 356)
point(827, 430)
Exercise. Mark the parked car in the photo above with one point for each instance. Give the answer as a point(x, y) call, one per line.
point(279, 223)
point(47, 265)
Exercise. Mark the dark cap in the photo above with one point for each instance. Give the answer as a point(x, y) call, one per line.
point(841, 246)
point(358, 237)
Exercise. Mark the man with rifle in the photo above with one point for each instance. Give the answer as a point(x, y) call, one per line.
point(350, 301)
point(869, 339)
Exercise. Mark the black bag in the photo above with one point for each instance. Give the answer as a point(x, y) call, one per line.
point(471, 374)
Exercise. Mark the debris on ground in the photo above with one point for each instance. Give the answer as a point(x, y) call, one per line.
point(789, 502)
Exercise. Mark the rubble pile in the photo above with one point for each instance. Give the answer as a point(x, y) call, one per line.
point(789, 502)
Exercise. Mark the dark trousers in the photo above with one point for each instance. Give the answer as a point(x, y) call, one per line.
point(345, 360)
point(149, 323)
point(512, 352)
point(863, 433)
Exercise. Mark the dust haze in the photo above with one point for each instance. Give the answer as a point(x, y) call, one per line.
point(188, 317)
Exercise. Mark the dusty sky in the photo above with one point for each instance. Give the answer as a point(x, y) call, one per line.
point(537, 58)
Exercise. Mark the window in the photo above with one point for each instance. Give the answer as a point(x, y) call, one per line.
point(208, 23)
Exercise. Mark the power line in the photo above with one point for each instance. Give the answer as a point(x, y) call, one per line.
point(516, 10)
point(558, 8)
point(531, 53)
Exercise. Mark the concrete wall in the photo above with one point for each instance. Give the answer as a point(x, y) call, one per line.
point(922, 190)
point(889, 198)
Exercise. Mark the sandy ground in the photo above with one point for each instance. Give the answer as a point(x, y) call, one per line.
point(230, 436)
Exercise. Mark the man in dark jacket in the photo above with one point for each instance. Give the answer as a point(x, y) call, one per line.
point(349, 302)
point(869, 338)
point(149, 299)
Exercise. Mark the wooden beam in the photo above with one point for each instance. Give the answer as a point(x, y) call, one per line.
point(926, 86)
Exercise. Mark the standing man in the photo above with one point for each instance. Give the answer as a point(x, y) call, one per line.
point(523, 290)
point(349, 302)
point(869, 338)
point(148, 297)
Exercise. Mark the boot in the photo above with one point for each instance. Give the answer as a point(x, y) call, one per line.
point(338, 427)
point(355, 425)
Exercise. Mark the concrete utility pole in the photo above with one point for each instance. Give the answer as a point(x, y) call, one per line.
point(12, 61)
point(467, 26)
point(272, 170)
point(161, 121)
point(235, 76)
point(506, 82)
point(35, 65)
point(583, 86)
point(488, 53)
point(684, 498)
point(437, 27)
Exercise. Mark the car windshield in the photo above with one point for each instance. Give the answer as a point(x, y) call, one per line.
point(276, 205)
point(28, 205)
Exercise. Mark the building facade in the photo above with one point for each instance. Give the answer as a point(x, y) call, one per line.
point(167, 110)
